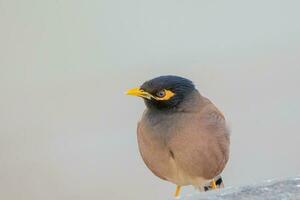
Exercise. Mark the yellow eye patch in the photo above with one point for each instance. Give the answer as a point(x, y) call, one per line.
point(164, 95)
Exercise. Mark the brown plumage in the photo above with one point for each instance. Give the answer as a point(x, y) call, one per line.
point(183, 138)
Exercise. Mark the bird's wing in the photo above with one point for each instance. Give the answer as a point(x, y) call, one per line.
point(201, 144)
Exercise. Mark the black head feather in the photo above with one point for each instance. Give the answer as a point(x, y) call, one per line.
point(180, 86)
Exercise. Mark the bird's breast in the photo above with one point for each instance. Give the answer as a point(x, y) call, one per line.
point(154, 136)
point(184, 148)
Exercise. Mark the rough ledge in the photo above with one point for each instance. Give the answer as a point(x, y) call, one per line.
point(283, 189)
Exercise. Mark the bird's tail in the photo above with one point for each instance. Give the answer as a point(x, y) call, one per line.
point(217, 182)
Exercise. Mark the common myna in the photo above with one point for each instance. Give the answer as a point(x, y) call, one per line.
point(182, 136)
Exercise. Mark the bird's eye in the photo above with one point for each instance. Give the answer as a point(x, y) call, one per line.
point(161, 93)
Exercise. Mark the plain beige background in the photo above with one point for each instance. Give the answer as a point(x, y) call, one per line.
point(67, 131)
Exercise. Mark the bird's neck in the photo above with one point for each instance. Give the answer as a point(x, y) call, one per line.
point(191, 103)
point(162, 121)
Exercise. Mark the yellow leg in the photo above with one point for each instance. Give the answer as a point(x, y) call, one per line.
point(177, 191)
point(213, 184)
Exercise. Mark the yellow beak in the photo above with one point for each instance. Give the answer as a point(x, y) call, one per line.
point(139, 93)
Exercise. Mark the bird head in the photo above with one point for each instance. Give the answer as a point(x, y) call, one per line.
point(163, 92)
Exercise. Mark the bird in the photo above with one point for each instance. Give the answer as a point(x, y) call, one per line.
point(182, 136)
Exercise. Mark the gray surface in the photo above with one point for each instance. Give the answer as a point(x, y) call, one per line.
point(287, 189)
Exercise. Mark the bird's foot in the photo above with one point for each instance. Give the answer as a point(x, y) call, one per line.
point(177, 192)
point(214, 184)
